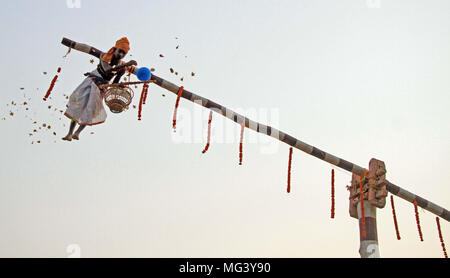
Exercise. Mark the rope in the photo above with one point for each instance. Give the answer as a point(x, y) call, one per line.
point(124, 84)
point(395, 218)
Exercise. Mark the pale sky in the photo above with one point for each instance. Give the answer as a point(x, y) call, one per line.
point(358, 79)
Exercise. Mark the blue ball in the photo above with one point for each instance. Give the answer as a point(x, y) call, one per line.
point(143, 74)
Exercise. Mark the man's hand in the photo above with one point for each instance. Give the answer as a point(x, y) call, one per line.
point(118, 68)
point(132, 63)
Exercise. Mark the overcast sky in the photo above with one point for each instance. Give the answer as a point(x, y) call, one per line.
point(358, 79)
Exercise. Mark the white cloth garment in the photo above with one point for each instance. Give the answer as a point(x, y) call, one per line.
point(86, 103)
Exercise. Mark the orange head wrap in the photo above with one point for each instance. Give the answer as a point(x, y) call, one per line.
point(123, 44)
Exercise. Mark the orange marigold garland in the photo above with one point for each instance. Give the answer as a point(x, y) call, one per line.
point(174, 123)
point(240, 142)
point(209, 132)
point(395, 218)
point(289, 171)
point(52, 84)
point(361, 197)
point(332, 193)
point(441, 238)
point(145, 88)
point(141, 102)
point(418, 221)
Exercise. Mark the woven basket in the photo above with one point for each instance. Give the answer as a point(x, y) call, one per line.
point(118, 98)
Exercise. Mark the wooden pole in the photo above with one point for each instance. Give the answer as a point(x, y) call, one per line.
point(311, 150)
point(368, 247)
point(277, 134)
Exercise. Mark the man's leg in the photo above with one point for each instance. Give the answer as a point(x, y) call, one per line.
point(76, 135)
point(71, 128)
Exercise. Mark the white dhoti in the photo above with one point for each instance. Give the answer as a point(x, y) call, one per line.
point(86, 103)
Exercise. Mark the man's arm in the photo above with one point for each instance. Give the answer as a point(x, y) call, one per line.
point(82, 47)
point(118, 76)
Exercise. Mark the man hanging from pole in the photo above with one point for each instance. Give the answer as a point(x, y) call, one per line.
point(85, 105)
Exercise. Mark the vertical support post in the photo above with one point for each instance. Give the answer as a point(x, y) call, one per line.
point(368, 247)
point(374, 196)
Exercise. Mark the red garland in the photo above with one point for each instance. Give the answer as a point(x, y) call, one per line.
point(289, 171)
point(441, 238)
point(209, 132)
point(395, 218)
point(240, 142)
point(361, 197)
point(174, 123)
point(418, 220)
point(145, 90)
point(52, 85)
point(332, 193)
point(140, 102)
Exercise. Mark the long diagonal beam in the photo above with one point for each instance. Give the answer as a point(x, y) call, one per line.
point(311, 150)
point(283, 137)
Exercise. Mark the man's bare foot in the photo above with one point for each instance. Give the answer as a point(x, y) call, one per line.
point(75, 137)
point(67, 138)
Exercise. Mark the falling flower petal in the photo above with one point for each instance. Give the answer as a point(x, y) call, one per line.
point(160, 55)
